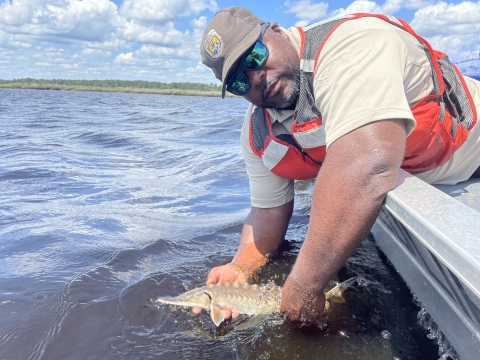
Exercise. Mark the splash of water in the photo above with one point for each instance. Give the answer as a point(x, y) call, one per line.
point(445, 350)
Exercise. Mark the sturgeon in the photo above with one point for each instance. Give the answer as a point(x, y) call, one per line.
point(249, 299)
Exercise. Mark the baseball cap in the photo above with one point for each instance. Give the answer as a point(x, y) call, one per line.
point(231, 32)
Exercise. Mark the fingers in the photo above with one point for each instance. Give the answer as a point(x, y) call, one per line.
point(217, 275)
point(301, 305)
point(228, 312)
point(214, 276)
point(224, 273)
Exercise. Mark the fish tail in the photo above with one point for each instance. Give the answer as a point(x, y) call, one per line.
point(335, 295)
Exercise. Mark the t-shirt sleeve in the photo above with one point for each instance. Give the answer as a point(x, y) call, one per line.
point(267, 190)
point(360, 78)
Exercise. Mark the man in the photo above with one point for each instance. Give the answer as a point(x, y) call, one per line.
point(370, 96)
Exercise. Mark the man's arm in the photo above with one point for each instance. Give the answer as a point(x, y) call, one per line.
point(263, 232)
point(359, 169)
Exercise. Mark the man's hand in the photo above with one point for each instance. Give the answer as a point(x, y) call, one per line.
point(262, 234)
point(300, 304)
point(225, 273)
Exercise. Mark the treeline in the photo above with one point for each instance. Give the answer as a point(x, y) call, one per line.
point(137, 84)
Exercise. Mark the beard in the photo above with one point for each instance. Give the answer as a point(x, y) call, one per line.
point(292, 74)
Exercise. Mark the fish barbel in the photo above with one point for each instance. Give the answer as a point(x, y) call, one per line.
point(244, 298)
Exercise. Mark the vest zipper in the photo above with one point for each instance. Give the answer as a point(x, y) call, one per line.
point(304, 153)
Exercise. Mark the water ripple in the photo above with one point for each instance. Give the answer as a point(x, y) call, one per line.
point(108, 201)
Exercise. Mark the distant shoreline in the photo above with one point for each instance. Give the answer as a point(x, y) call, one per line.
point(123, 86)
point(133, 90)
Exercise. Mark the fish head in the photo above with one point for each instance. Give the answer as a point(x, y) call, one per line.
point(192, 298)
point(199, 299)
point(216, 312)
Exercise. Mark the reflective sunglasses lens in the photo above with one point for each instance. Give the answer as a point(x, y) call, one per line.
point(240, 85)
point(256, 58)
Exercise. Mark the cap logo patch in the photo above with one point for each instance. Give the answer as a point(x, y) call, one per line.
point(213, 44)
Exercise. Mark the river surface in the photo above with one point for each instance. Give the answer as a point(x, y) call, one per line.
point(109, 201)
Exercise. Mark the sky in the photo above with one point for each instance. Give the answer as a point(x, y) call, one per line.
point(158, 40)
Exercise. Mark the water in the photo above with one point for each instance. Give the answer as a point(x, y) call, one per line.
point(108, 201)
point(467, 61)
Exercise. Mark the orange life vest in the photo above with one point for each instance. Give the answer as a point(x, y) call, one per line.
point(444, 117)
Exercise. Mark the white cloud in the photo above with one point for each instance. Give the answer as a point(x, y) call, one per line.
point(447, 26)
point(125, 58)
point(95, 52)
point(199, 23)
point(8, 40)
point(5, 40)
point(44, 64)
point(309, 12)
point(152, 51)
point(163, 11)
point(96, 28)
point(306, 11)
point(160, 38)
point(358, 7)
point(69, 66)
point(200, 71)
point(17, 12)
point(56, 57)
point(450, 26)
point(72, 19)
point(113, 43)
point(392, 6)
point(165, 35)
point(443, 18)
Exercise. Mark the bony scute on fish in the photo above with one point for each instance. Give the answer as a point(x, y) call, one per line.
point(244, 298)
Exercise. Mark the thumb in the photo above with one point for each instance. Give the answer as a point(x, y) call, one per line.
point(214, 276)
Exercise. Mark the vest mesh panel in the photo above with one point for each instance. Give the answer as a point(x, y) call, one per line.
point(259, 128)
point(455, 94)
point(306, 109)
point(436, 83)
point(314, 37)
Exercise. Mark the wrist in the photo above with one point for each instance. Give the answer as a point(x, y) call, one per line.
point(303, 298)
point(309, 277)
point(249, 268)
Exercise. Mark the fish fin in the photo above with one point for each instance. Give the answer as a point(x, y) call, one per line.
point(217, 314)
point(335, 295)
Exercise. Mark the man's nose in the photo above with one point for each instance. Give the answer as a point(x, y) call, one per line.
point(256, 77)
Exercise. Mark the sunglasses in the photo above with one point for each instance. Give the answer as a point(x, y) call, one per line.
point(253, 59)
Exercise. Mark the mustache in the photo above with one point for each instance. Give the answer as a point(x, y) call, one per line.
point(288, 99)
point(263, 88)
point(266, 83)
